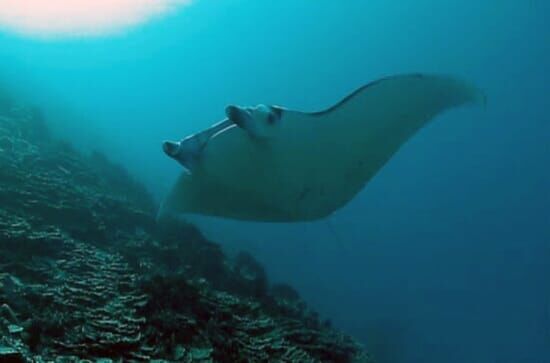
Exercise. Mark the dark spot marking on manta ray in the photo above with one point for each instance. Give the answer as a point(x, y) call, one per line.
point(304, 193)
point(271, 118)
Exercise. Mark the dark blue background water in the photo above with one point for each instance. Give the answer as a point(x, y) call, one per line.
point(445, 256)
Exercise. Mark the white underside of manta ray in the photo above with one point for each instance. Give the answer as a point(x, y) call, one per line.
point(271, 164)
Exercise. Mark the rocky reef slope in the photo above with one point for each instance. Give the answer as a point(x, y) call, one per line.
point(86, 273)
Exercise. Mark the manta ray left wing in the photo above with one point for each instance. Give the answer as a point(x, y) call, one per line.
point(188, 151)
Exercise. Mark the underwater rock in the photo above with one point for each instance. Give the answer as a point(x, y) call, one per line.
point(86, 274)
point(284, 292)
point(6, 101)
point(252, 272)
point(14, 329)
point(10, 355)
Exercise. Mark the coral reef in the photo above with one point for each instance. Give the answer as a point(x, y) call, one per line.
point(86, 273)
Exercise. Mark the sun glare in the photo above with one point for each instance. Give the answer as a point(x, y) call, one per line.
point(47, 18)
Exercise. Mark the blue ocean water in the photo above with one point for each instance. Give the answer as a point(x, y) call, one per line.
point(445, 256)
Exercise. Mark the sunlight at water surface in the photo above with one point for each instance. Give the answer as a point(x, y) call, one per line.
point(63, 18)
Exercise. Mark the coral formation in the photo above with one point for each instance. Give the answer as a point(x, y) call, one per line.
point(86, 273)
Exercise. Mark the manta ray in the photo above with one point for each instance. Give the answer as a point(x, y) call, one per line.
point(273, 164)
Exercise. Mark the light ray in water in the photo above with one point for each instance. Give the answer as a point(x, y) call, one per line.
point(80, 18)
